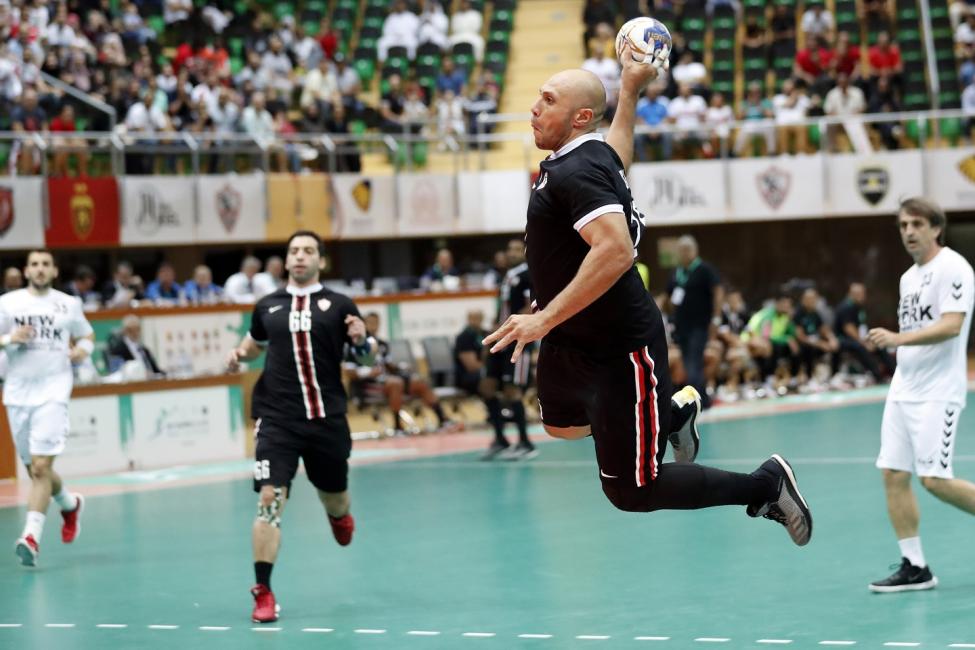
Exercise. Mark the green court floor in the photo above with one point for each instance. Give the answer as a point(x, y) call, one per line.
point(454, 553)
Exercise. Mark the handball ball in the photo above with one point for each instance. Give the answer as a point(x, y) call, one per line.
point(649, 40)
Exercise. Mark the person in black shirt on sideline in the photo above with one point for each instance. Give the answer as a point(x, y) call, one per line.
point(850, 325)
point(697, 296)
point(602, 366)
point(814, 335)
point(299, 402)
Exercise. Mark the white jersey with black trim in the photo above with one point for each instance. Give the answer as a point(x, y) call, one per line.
point(937, 371)
point(39, 370)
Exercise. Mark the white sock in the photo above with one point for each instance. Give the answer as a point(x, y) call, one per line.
point(65, 500)
point(911, 549)
point(34, 525)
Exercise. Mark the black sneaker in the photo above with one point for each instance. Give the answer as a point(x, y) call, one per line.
point(685, 406)
point(496, 448)
point(521, 451)
point(907, 578)
point(788, 508)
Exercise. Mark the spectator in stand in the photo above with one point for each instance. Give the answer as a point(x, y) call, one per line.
point(451, 77)
point(718, 120)
point(968, 105)
point(64, 123)
point(416, 114)
point(306, 50)
point(201, 290)
point(177, 15)
point(691, 72)
point(965, 35)
point(10, 84)
point(883, 99)
point(734, 318)
point(876, 15)
point(652, 111)
point(82, 286)
point(754, 109)
point(277, 66)
point(349, 159)
point(789, 108)
point(594, 14)
point(966, 72)
point(755, 43)
point(13, 279)
point(59, 33)
point(783, 30)
point(443, 274)
point(272, 276)
point(164, 290)
point(814, 64)
point(687, 112)
point(391, 106)
point(771, 337)
point(845, 100)
point(134, 26)
point(321, 87)
point(696, 294)
point(817, 21)
point(145, 120)
point(257, 122)
point(28, 117)
point(328, 39)
point(434, 24)
point(450, 115)
point(400, 29)
point(850, 326)
point(846, 58)
point(815, 337)
point(482, 101)
point(346, 78)
point(127, 345)
point(245, 286)
point(284, 132)
point(124, 289)
point(608, 71)
point(465, 27)
point(885, 59)
point(253, 73)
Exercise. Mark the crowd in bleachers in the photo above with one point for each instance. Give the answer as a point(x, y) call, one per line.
point(256, 67)
point(799, 61)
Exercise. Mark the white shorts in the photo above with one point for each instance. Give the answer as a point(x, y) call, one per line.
point(919, 437)
point(39, 430)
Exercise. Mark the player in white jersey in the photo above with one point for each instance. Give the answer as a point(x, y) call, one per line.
point(43, 332)
point(927, 393)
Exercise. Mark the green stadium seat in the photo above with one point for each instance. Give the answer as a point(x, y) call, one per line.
point(366, 69)
point(311, 27)
point(464, 60)
point(283, 9)
point(156, 24)
point(373, 21)
point(951, 130)
point(419, 154)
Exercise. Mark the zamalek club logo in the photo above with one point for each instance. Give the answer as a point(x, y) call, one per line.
point(6, 209)
point(229, 202)
point(774, 185)
point(873, 183)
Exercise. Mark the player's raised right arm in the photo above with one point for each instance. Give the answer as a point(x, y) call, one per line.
point(635, 78)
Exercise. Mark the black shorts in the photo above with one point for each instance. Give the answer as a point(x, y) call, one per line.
point(500, 367)
point(625, 399)
point(323, 445)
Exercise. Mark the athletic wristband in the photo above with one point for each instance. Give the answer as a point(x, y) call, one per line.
point(86, 344)
point(4, 340)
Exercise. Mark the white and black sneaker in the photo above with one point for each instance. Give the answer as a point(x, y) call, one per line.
point(685, 407)
point(907, 578)
point(521, 451)
point(494, 450)
point(788, 508)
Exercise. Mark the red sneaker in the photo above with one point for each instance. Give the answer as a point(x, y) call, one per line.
point(265, 607)
point(27, 550)
point(72, 521)
point(342, 529)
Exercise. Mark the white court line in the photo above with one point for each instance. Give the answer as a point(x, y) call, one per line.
point(11, 625)
point(364, 631)
point(651, 638)
point(423, 633)
point(534, 636)
point(837, 643)
point(265, 629)
point(59, 625)
point(163, 627)
point(712, 639)
point(112, 626)
point(775, 641)
point(902, 644)
point(592, 637)
point(320, 630)
point(213, 628)
point(478, 635)
point(961, 645)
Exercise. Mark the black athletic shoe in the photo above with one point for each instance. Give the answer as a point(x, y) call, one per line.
point(788, 508)
point(685, 406)
point(496, 448)
point(521, 451)
point(907, 578)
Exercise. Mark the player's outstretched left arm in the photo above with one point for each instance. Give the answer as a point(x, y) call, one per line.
point(947, 327)
point(610, 256)
point(634, 79)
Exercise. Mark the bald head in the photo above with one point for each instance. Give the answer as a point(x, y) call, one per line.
point(583, 89)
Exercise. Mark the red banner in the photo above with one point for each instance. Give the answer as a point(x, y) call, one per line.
point(84, 212)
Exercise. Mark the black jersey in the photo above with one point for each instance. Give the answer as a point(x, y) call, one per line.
point(584, 181)
point(305, 334)
point(516, 289)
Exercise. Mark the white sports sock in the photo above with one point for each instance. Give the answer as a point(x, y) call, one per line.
point(34, 525)
point(65, 500)
point(911, 549)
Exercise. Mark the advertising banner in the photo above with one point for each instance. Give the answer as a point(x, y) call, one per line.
point(427, 204)
point(416, 319)
point(298, 202)
point(21, 213)
point(363, 206)
point(185, 426)
point(231, 207)
point(194, 344)
point(950, 176)
point(493, 201)
point(158, 210)
point(83, 212)
point(777, 188)
point(95, 442)
point(680, 192)
point(872, 184)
